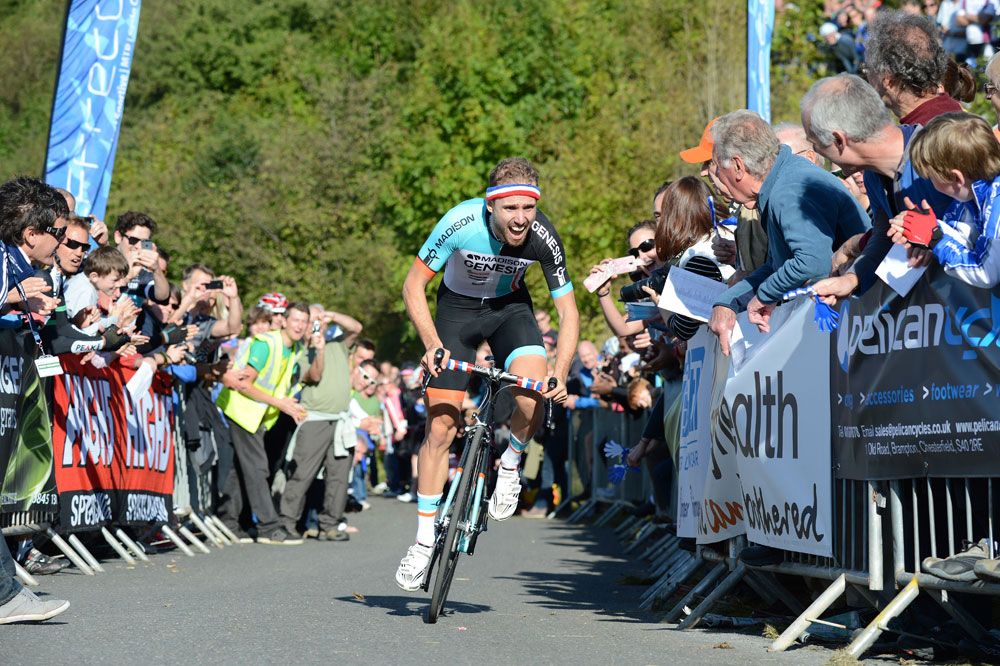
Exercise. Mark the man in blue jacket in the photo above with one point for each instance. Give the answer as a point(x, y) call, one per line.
point(806, 210)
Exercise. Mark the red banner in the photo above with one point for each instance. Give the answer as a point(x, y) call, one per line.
point(113, 452)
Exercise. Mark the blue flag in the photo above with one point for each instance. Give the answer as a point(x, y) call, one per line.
point(760, 26)
point(97, 53)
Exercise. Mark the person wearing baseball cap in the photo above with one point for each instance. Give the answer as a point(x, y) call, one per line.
point(275, 303)
point(702, 153)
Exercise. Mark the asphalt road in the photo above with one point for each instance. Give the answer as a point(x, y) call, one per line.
point(537, 591)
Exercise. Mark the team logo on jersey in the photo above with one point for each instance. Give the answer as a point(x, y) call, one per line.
point(561, 275)
point(431, 255)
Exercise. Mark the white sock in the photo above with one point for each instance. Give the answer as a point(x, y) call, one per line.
point(427, 506)
point(511, 458)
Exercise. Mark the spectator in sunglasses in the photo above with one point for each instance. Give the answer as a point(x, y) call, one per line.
point(32, 223)
point(641, 240)
point(70, 254)
point(146, 279)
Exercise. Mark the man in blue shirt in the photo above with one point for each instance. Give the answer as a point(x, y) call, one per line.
point(806, 211)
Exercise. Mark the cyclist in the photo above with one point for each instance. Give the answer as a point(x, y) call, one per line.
point(485, 246)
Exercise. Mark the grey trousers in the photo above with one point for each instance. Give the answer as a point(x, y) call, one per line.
point(9, 585)
point(247, 481)
point(313, 449)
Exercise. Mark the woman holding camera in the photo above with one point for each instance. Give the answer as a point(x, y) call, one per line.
point(684, 235)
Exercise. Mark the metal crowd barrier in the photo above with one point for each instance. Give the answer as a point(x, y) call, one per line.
point(602, 426)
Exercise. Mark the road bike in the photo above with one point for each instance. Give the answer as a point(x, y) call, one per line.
point(462, 516)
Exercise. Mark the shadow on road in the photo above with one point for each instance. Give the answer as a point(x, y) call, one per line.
point(400, 606)
point(586, 584)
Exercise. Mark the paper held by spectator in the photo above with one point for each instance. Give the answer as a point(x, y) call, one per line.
point(689, 294)
point(139, 385)
point(897, 273)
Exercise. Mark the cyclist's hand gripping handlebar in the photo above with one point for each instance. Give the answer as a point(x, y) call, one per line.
point(438, 357)
point(553, 382)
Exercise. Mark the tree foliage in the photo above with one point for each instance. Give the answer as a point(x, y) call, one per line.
point(309, 146)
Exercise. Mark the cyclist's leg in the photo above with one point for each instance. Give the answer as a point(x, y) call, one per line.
point(444, 403)
point(517, 345)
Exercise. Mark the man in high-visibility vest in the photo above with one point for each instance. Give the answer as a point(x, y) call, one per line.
point(260, 386)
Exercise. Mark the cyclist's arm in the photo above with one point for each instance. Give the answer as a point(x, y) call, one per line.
point(415, 298)
point(569, 333)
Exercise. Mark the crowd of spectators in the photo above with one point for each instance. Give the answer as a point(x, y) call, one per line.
point(965, 28)
point(290, 420)
point(284, 418)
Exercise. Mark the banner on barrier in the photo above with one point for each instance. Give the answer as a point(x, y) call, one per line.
point(721, 514)
point(26, 480)
point(709, 507)
point(776, 416)
point(916, 382)
point(114, 459)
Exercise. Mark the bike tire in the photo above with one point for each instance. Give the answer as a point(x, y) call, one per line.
point(448, 560)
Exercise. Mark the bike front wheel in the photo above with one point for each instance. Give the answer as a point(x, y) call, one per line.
point(459, 512)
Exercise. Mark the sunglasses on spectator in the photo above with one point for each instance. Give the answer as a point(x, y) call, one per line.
point(367, 377)
point(132, 240)
point(75, 244)
point(644, 246)
point(989, 89)
point(56, 232)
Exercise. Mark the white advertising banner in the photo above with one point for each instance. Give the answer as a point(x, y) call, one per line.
point(776, 419)
point(709, 495)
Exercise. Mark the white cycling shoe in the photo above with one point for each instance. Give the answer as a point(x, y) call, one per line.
point(413, 567)
point(503, 503)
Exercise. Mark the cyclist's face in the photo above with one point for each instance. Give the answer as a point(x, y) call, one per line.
point(512, 218)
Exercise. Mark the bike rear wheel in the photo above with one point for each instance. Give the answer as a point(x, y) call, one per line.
point(458, 513)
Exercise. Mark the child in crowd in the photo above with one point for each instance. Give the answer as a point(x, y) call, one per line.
point(93, 296)
point(960, 155)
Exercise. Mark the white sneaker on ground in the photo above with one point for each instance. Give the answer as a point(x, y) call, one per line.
point(405, 497)
point(503, 503)
point(26, 607)
point(413, 567)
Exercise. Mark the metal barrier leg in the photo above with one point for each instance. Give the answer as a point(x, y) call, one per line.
point(626, 525)
point(210, 532)
point(85, 554)
point(181, 546)
point(759, 585)
point(713, 575)
point(677, 566)
point(131, 545)
point(24, 576)
point(778, 590)
point(816, 608)
point(69, 552)
point(585, 510)
point(223, 528)
point(667, 570)
point(721, 590)
point(674, 554)
point(612, 512)
point(113, 542)
point(894, 608)
point(676, 579)
point(646, 531)
point(960, 615)
point(195, 541)
point(655, 550)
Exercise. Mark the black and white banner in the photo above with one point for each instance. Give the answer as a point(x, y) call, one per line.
point(916, 382)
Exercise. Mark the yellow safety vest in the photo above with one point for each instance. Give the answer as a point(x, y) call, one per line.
point(249, 413)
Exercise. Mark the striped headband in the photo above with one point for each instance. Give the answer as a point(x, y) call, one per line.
point(515, 189)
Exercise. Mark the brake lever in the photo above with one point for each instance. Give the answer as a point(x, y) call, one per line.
point(438, 357)
point(553, 382)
